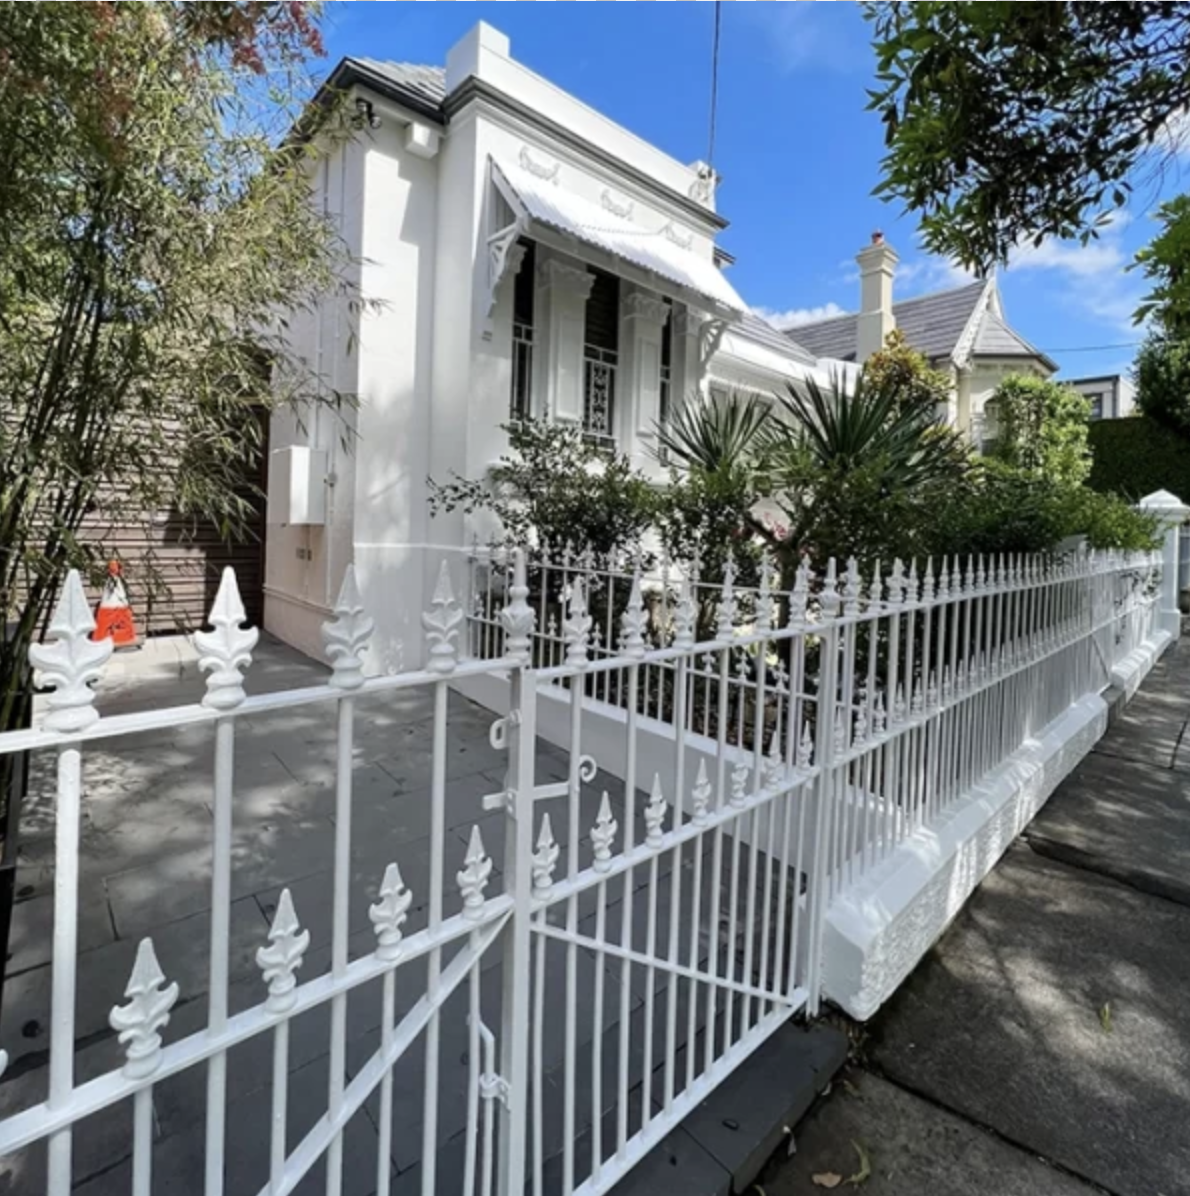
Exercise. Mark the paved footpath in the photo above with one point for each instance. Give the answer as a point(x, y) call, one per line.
point(1043, 1047)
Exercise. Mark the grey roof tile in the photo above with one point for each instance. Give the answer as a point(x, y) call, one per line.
point(996, 339)
point(932, 324)
point(761, 331)
point(428, 83)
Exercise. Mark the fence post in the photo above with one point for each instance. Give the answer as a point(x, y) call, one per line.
point(516, 997)
point(1171, 512)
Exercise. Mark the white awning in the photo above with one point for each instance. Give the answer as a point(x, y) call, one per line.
point(546, 203)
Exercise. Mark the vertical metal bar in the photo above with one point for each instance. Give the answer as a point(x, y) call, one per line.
point(474, 1048)
point(824, 754)
point(65, 955)
point(597, 1041)
point(571, 1010)
point(339, 930)
point(220, 939)
point(385, 1129)
point(717, 865)
point(142, 1142)
point(671, 1008)
point(626, 907)
point(280, 1105)
point(429, 1142)
point(518, 854)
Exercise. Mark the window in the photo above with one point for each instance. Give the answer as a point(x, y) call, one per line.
point(520, 404)
point(1096, 401)
point(664, 396)
point(601, 358)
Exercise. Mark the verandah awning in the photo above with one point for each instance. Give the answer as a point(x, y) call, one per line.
point(543, 202)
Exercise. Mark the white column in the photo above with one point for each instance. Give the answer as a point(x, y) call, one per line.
point(685, 354)
point(560, 310)
point(1172, 513)
point(642, 323)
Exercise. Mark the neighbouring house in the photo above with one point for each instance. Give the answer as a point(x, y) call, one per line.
point(1112, 396)
point(523, 255)
point(962, 330)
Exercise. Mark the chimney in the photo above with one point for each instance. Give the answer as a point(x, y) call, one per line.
point(876, 265)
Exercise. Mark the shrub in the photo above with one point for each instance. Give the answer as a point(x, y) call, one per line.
point(1163, 382)
point(1041, 428)
point(556, 487)
point(1138, 456)
point(1003, 509)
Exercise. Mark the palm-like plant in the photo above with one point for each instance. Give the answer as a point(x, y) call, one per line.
point(712, 436)
point(840, 430)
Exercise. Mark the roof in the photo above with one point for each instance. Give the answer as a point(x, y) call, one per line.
point(932, 324)
point(761, 331)
point(544, 202)
point(413, 85)
point(428, 82)
point(996, 339)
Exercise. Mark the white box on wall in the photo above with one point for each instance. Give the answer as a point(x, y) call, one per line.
point(297, 486)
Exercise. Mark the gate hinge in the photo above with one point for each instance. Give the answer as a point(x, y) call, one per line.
point(494, 1087)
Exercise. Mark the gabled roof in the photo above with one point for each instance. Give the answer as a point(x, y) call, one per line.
point(427, 82)
point(996, 339)
point(932, 324)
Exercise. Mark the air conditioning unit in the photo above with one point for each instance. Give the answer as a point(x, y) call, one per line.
point(297, 486)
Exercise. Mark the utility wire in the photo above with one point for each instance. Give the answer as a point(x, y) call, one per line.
point(1095, 348)
point(714, 83)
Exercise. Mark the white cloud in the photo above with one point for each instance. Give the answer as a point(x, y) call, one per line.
point(1093, 260)
point(806, 34)
point(796, 316)
point(920, 275)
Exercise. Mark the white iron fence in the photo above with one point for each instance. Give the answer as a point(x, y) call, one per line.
point(648, 939)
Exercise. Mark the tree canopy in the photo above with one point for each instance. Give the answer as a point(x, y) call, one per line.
point(1013, 122)
point(155, 234)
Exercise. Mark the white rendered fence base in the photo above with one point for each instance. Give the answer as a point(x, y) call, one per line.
point(879, 929)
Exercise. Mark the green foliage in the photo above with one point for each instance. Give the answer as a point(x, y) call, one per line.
point(1017, 121)
point(713, 437)
point(556, 487)
point(850, 470)
point(1139, 456)
point(1166, 263)
point(1041, 428)
point(999, 508)
point(150, 235)
point(1162, 372)
point(900, 369)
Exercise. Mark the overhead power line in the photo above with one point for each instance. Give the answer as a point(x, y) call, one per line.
point(714, 84)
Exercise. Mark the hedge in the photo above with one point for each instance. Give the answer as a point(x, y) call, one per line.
point(1138, 456)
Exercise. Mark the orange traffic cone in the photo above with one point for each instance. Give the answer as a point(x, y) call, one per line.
point(113, 618)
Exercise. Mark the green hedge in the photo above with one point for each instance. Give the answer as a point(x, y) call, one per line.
point(1137, 456)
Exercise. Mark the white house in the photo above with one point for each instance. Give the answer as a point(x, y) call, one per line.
point(1112, 396)
point(962, 330)
point(526, 255)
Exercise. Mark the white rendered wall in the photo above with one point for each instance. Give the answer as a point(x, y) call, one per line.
point(397, 395)
point(304, 565)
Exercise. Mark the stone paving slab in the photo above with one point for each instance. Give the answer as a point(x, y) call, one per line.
point(913, 1147)
point(1123, 819)
point(1002, 1023)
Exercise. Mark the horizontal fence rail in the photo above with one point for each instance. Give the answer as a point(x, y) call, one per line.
point(611, 940)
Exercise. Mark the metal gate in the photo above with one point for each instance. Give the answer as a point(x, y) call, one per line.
point(635, 948)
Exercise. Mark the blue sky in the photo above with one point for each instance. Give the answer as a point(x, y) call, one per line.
point(798, 153)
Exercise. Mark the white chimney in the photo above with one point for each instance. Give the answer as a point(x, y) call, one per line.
point(876, 265)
